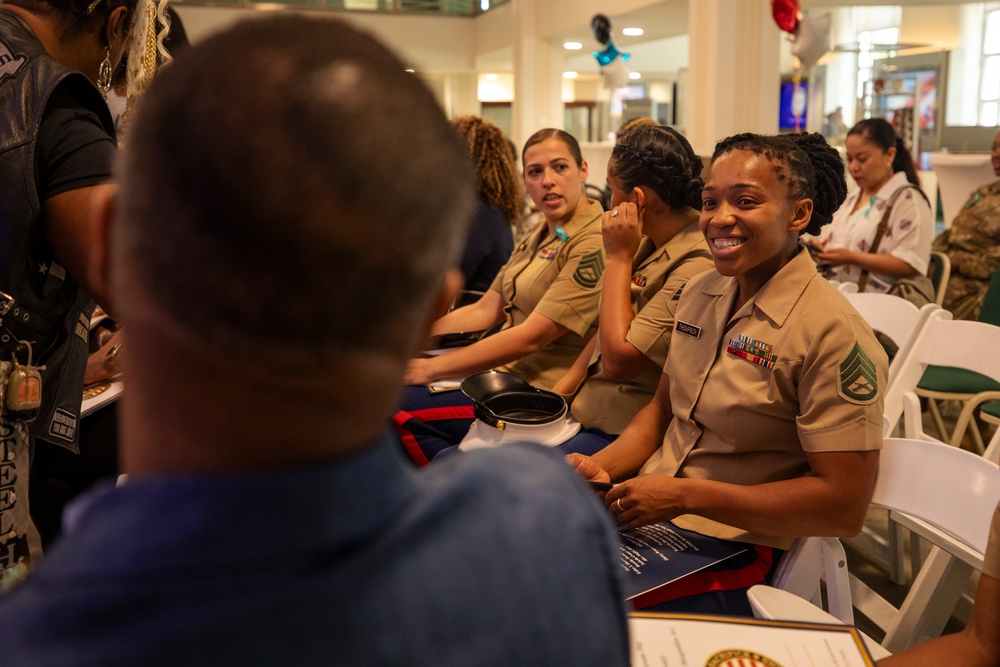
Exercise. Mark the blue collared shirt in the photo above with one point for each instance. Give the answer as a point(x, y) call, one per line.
point(499, 557)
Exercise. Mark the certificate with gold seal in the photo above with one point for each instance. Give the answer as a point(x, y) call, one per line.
point(690, 640)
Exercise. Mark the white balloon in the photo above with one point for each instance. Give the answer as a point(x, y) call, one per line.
point(615, 74)
point(812, 39)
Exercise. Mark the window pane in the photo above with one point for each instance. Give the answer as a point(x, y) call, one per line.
point(990, 89)
point(988, 114)
point(886, 36)
point(991, 35)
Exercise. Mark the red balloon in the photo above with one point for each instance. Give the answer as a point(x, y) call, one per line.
point(786, 14)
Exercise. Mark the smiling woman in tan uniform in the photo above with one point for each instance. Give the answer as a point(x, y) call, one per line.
point(767, 421)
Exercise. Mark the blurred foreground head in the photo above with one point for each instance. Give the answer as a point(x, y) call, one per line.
point(291, 197)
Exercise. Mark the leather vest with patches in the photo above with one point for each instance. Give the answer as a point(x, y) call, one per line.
point(49, 309)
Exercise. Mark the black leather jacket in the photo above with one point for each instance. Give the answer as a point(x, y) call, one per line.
point(49, 308)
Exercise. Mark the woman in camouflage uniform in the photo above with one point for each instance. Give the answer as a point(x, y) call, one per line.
point(973, 245)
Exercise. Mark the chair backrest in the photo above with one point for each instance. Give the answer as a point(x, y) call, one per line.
point(896, 318)
point(990, 311)
point(939, 271)
point(953, 490)
point(942, 341)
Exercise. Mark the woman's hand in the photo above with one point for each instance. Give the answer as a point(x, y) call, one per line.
point(836, 256)
point(621, 229)
point(420, 371)
point(588, 468)
point(645, 500)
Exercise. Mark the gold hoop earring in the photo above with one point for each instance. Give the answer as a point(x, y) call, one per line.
point(104, 73)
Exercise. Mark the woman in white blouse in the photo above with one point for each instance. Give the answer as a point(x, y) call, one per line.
point(881, 165)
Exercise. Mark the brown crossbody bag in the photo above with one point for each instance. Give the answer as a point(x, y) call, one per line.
point(918, 289)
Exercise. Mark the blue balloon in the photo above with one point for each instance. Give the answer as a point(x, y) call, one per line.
point(608, 55)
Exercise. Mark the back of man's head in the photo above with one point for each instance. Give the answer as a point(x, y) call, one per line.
point(290, 195)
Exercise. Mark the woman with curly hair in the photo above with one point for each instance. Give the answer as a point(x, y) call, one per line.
point(497, 210)
point(767, 421)
point(652, 248)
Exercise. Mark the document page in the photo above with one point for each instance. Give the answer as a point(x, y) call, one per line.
point(678, 640)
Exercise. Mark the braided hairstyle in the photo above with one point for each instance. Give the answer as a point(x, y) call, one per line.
point(497, 181)
point(879, 132)
point(633, 124)
point(812, 168)
point(661, 159)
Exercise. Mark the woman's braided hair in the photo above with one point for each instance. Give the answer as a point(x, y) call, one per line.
point(661, 159)
point(497, 181)
point(815, 169)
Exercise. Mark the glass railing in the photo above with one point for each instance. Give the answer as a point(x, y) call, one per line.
point(450, 7)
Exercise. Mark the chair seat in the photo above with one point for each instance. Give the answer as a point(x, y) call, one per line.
point(956, 381)
point(992, 408)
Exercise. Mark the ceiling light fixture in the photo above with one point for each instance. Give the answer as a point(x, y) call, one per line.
point(632, 32)
point(570, 75)
point(572, 46)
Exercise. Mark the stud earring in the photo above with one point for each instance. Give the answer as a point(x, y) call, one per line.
point(104, 73)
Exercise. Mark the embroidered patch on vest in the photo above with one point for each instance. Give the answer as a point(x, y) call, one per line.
point(548, 253)
point(63, 425)
point(677, 294)
point(9, 63)
point(858, 377)
point(689, 329)
point(588, 273)
point(82, 328)
point(638, 279)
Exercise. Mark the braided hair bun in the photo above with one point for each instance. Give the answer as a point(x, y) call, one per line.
point(661, 159)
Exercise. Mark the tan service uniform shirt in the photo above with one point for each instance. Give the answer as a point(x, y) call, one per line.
point(658, 277)
point(817, 384)
point(991, 564)
point(560, 280)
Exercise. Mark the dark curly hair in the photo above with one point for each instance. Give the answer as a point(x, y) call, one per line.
point(661, 159)
point(497, 181)
point(814, 168)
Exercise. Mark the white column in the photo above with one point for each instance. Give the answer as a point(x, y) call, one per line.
point(538, 67)
point(461, 89)
point(734, 72)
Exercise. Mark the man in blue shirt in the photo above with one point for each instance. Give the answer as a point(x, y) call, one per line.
point(289, 199)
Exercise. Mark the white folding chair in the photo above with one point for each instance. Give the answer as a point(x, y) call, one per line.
point(896, 318)
point(944, 342)
point(900, 321)
point(947, 496)
point(813, 560)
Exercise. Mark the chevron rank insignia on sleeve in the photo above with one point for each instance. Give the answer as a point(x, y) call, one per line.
point(588, 273)
point(858, 377)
